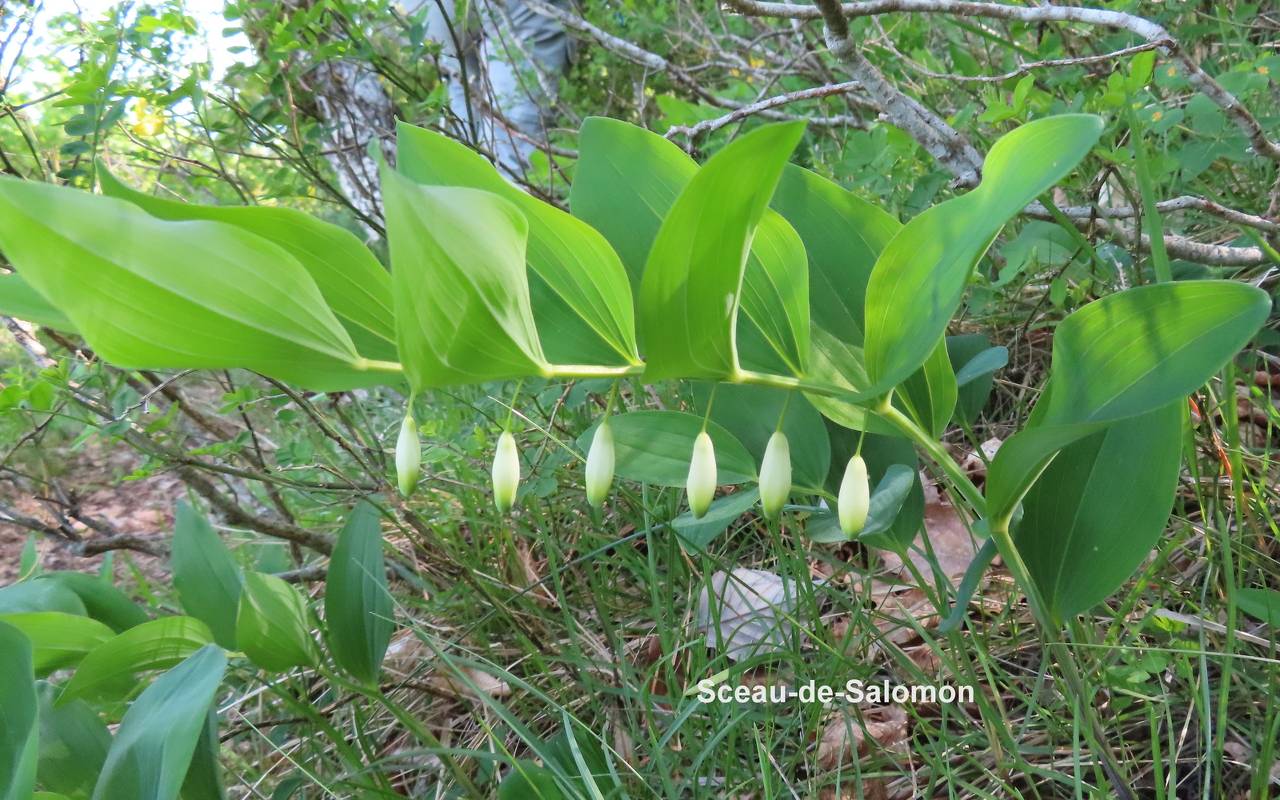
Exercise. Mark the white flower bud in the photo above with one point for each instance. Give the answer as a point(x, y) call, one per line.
point(506, 472)
point(775, 475)
point(408, 455)
point(854, 501)
point(600, 464)
point(701, 484)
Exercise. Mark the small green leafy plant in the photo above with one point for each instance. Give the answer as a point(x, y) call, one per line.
point(806, 317)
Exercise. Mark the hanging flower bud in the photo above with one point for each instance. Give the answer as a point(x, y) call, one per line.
point(408, 455)
point(701, 485)
point(854, 500)
point(600, 464)
point(775, 475)
point(506, 472)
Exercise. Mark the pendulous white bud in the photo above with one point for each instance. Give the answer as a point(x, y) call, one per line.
point(854, 500)
point(775, 475)
point(600, 464)
point(408, 455)
point(506, 472)
point(701, 484)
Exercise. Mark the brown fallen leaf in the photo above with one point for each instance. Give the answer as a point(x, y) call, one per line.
point(852, 732)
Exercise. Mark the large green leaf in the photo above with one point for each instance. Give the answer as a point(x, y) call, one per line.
point(1099, 508)
point(108, 670)
point(1139, 349)
point(19, 710)
point(351, 280)
point(920, 277)
point(843, 236)
point(460, 285)
point(273, 627)
point(1260, 603)
point(696, 533)
point(38, 595)
point(149, 293)
point(625, 183)
point(751, 413)
point(692, 284)
point(1122, 356)
point(358, 609)
point(73, 744)
point(581, 295)
point(102, 601)
point(655, 447)
point(204, 573)
point(153, 747)
point(58, 640)
point(18, 299)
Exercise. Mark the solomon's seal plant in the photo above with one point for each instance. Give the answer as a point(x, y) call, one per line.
point(749, 275)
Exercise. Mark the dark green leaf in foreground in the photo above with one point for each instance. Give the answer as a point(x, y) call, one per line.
point(273, 627)
point(73, 744)
point(920, 277)
point(152, 750)
point(1122, 356)
point(205, 575)
point(1099, 508)
point(149, 293)
point(19, 732)
point(358, 609)
point(102, 601)
point(697, 533)
point(38, 595)
point(460, 285)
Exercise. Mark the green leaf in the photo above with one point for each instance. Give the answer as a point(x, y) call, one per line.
point(108, 670)
point(147, 293)
point(1137, 350)
point(975, 362)
point(460, 285)
point(153, 747)
point(58, 640)
point(655, 447)
point(37, 595)
point(1099, 508)
point(625, 183)
point(273, 627)
point(580, 292)
point(19, 711)
point(843, 236)
point(73, 744)
point(528, 781)
point(102, 601)
point(204, 773)
point(920, 276)
point(1122, 356)
point(205, 574)
point(18, 299)
point(354, 285)
point(929, 394)
point(1262, 604)
point(696, 533)
point(751, 414)
point(836, 362)
point(358, 609)
point(692, 283)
